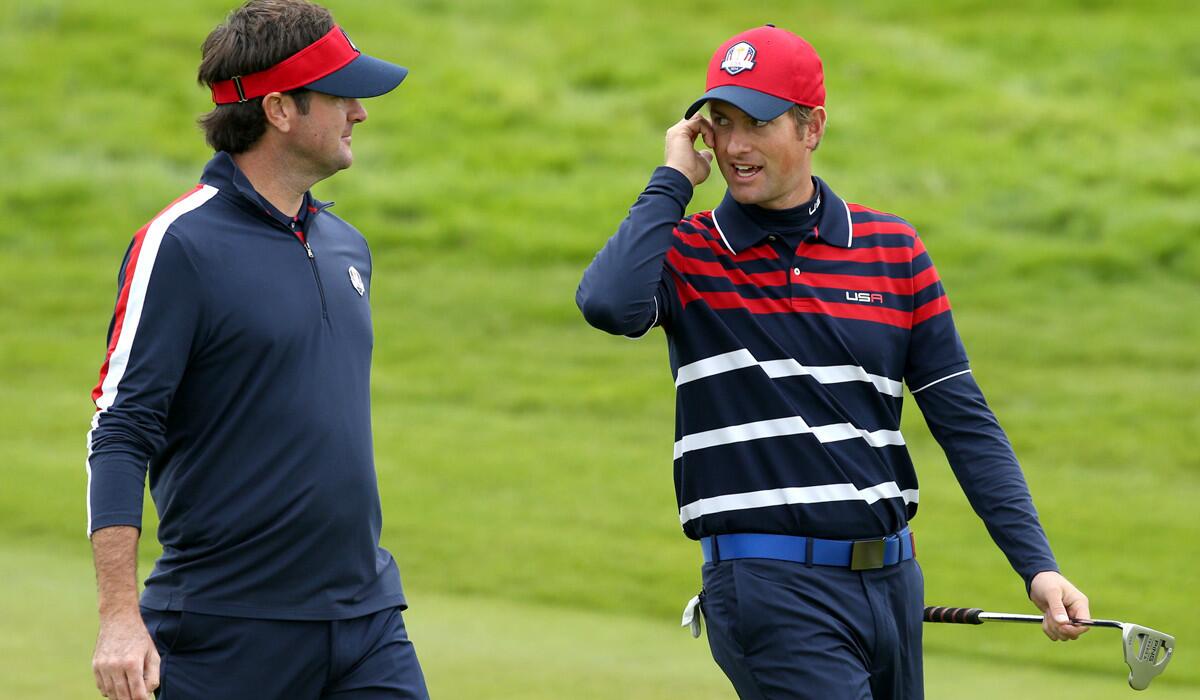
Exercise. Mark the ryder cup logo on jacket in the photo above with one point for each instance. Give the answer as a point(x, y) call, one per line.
point(356, 280)
point(738, 58)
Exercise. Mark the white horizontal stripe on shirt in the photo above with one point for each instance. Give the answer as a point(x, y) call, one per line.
point(775, 369)
point(797, 495)
point(778, 427)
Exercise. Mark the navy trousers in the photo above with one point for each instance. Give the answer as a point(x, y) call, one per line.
point(210, 656)
point(785, 630)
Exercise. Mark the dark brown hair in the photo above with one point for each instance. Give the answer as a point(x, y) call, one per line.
point(255, 37)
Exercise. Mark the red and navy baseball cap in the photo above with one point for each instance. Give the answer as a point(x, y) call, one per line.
point(332, 65)
point(763, 72)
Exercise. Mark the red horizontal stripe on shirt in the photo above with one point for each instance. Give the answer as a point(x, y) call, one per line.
point(687, 293)
point(802, 305)
point(868, 228)
point(858, 255)
point(921, 280)
point(692, 266)
point(858, 312)
point(889, 218)
point(696, 240)
point(924, 312)
point(733, 300)
point(858, 283)
point(758, 252)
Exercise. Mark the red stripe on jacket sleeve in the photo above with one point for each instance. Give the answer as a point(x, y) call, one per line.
point(123, 297)
point(119, 311)
point(692, 266)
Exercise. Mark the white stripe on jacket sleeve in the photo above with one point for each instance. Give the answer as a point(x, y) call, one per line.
point(118, 361)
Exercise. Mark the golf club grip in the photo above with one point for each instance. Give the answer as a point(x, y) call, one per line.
point(962, 616)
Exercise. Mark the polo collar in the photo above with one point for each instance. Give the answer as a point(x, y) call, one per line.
point(739, 231)
point(224, 174)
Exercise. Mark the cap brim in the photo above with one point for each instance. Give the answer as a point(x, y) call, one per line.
point(365, 76)
point(759, 105)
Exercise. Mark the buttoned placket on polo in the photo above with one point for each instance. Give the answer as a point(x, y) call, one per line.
point(741, 233)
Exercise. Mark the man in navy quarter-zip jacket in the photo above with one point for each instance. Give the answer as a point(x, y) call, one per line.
point(237, 377)
point(793, 320)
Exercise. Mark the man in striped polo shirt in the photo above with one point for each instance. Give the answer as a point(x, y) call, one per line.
point(794, 319)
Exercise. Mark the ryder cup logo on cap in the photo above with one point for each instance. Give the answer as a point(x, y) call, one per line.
point(738, 58)
point(763, 72)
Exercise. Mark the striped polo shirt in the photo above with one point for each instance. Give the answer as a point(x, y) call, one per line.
point(790, 349)
point(789, 354)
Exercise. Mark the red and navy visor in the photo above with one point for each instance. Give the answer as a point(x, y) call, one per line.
point(332, 65)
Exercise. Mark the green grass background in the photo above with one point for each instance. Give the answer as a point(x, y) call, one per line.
point(1049, 152)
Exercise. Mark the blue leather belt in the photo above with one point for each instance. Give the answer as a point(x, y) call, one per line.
point(854, 554)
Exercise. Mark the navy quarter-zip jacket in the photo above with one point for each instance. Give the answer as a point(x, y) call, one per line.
point(238, 378)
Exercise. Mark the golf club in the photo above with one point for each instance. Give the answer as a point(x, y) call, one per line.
point(1147, 651)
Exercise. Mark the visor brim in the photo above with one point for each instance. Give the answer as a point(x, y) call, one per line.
point(759, 105)
point(365, 76)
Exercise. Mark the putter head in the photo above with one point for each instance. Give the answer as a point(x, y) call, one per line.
point(1147, 652)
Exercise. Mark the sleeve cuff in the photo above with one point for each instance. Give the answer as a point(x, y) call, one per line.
point(114, 520)
point(1035, 571)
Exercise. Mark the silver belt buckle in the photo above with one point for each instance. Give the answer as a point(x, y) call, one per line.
point(866, 554)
